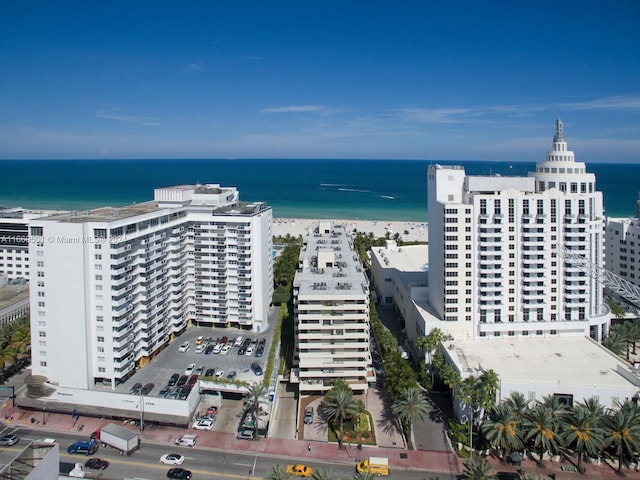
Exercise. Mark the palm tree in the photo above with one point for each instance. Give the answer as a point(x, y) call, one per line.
point(364, 476)
point(614, 342)
point(411, 407)
point(278, 472)
point(339, 404)
point(323, 474)
point(256, 392)
point(542, 428)
point(581, 431)
point(622, 430)
point(477, 468)
point(502, 429)
point(593, 407)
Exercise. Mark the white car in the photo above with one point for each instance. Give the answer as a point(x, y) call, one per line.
point(190, 368)
point(186, 440)
point(238, 341)
point(203, 425)
point(250, 350)
point(218, 348)
point(219, 373)
point(226, 349)
point(184, 347)
point(201, 348)
point(171, 459)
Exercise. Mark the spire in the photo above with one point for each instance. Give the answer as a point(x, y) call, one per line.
point(559, 136)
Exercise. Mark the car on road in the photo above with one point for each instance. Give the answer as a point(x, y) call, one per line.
point(226, 349)
point(190, 369)
point(299, 470)
point(246, 434)
point(88, 447)
point(178, 473)
point(147, 389)
point(135, 390)
point(8, 440)
point(174, 379)
point(187, 440)
point(256, 369)
point(96, 464)
point(184, 347)
point(203, 425)
point(171, 459)
point(308, 416)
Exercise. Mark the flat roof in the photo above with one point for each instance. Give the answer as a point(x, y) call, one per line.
point(10, 294)
point(105, 214)
point(568, 360)
point(408, 258)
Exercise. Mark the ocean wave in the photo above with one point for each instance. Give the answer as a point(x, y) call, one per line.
point(354, 190)
point(387, 196)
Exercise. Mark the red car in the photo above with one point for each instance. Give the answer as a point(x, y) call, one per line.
point(212, 410)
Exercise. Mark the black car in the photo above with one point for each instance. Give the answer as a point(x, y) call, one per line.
point(182, 381)
point(184, 392)
point(96, 464)
point(209, 349)
point(179, 474)
point(210, 372)
point(147, 389)
point(164, 391)
point(244, 346)
point(256, 369)
point(135, 390)
point(259, 351)
point(174, 379)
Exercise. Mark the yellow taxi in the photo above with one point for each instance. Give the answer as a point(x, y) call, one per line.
point(299, 470)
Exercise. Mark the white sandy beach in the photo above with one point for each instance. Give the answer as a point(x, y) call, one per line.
point(409, 231)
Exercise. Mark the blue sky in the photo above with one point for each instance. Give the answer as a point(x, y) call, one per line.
point(319, 79)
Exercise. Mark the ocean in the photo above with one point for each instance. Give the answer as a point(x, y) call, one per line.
point(340, 189)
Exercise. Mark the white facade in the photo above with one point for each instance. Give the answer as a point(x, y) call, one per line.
point(496, 249)
point(111, 285)
point(331, 297)
point(622, 246)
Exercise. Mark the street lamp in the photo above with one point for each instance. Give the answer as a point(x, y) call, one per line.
point(141, 412)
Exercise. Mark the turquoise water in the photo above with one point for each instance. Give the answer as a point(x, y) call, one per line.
point(344, 189)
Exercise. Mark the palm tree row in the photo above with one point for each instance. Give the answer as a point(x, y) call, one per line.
point(15, 340)
point(548, 426)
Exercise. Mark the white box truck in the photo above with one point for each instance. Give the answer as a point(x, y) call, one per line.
point(120, 438)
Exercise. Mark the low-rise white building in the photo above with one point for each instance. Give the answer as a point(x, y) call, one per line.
point(331, 298)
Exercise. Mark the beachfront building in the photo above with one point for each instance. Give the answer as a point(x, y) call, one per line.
point(622, 247)
point(110, 286)
point(498, 249)
point(331, 301)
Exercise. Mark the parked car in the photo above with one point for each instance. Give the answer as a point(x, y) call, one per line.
point(96, 464)
point(187, 440)
point(249, 351)
point(164, 391)
point(232, 374)
point(8, 440)
point(308, 416)
point(184, 347)
point(184, 392)
point(209, 349)
point(210, 372)
point(135, 390)
point(199, 340)
point(219, 373)
point(183, 380)
point(212, 410)
point(171, 459)
point(178, 473)
point(256, 369)
point(203, 425)
point(199, 370)
point(174, 379)
point(147, 389)
point(245, 434)
point(190, 369)
point(201, 348)
point(226, 349)
point(238, 341)
point(192, 380)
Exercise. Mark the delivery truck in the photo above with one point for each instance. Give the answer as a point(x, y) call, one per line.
point(374, 465)
point(120, 438)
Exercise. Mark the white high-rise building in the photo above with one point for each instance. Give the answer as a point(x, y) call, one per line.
point(497, 245)
point(111, 285)
point(331, 297)
point(622, 243)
